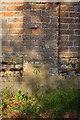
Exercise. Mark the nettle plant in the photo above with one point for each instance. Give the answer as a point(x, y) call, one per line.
point(21, 96)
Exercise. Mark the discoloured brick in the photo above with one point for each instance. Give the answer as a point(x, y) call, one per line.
point(15, 19)
point(40, 6)
point(37, 31)
point(68, 31)
point(27, 31)
point(35, 19)
point(74, 26)
point(67, 20)
point(64, 26)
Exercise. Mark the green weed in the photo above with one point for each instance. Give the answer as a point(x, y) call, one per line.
point(21, 96)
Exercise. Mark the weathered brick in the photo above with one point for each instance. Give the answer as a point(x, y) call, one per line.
point(73, 49)
point(35, 19)
point(77, 20)
point(64, 37)
point(27, 31)
point(47, 13)
point(7, 37)
point(63, 49)
point(66, 43)
point(16, 31)
point(43, 31)
point(49, 25)
point(74, 14)
point(18, 3)
point(67, 20)
point(67, 31)
point(37, 31)
point(26, 19)
point(6, 3)
point(7, 48)
point(15, 19)
point(2, 8)
point(63, 8)
point(63, 26)
point(71, 8)
point(17, 25)
point(74, 26)
point(77, 32)
point(54, 6)
point(18, 37)
point(41, 37)
point(74, 37)
point(40, 19)
point(40, 6)
point(45, 19)
point(32, 25)
point(76, 43)
point(26, 13)
point(64, 14)
point(18, 13)
point(32, 12)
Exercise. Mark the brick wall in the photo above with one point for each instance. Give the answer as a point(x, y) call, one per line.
point(69, 44)
point(40, 33)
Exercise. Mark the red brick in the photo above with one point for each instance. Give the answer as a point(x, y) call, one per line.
point(54, 6)
point(71, 9)
point(9, 8)
point(6, 14)
point(64, 14)
point(14, 8)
